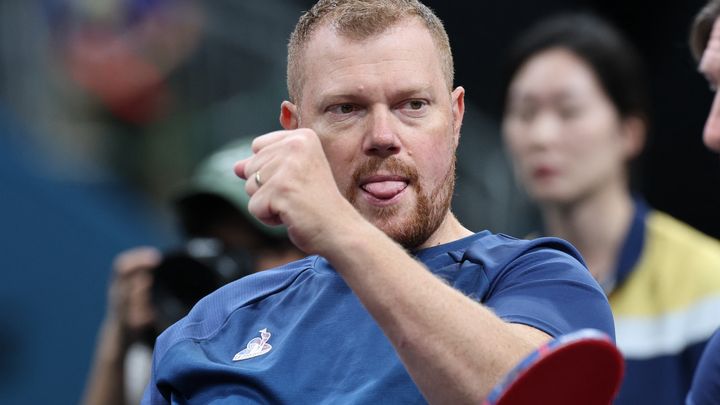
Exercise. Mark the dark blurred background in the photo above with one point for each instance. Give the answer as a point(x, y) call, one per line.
point(106, 106)
point(679, 175)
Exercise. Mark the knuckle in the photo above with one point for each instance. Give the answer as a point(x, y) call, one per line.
point(296, 142)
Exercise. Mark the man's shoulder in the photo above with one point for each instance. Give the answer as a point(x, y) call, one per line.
point(496, 257)
point(211, 312)
point(499, 250)
point(521, 273)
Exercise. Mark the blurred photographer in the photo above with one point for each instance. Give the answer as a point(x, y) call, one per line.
point(150, 289)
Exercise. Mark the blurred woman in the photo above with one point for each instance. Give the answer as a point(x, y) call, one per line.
point(575, 118)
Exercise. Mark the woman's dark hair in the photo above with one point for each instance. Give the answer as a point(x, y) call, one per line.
point(615, 62)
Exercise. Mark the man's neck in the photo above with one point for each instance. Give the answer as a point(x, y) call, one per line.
point(450, 230)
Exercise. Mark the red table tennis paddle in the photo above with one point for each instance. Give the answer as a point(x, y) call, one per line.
point(580, 368)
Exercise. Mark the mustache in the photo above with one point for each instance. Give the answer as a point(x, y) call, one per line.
point(391, 165)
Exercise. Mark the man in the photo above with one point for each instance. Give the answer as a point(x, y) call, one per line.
point(150, 290)
point(400, 303)
point(705, 47)
point(705, 389)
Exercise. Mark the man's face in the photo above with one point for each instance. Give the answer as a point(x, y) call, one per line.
point(710, 68)
point(388, 124)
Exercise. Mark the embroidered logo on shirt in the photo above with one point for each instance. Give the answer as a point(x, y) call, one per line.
point(256, 347)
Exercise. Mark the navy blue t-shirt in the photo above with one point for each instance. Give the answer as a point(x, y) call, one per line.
point(298, 334)
point(705, 388)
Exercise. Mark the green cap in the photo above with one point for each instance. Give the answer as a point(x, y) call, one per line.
point(215, 176)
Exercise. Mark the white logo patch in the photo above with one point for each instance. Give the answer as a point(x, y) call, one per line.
point(256, 347)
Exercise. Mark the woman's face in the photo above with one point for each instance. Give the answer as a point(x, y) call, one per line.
point(564, 135)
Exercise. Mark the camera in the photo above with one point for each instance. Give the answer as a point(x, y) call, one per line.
point(187, 274)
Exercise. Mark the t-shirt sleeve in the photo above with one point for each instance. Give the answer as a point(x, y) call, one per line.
point(705, 387)
point(546, 286)
point(152, 395)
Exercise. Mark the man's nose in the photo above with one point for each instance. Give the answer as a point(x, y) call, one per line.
point(711, 134)
point(382, 138)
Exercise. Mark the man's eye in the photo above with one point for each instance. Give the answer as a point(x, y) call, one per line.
point(416, 104)
point(341, 112)
point(344, 108)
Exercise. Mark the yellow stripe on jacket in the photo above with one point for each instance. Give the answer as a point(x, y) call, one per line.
point(672, 297)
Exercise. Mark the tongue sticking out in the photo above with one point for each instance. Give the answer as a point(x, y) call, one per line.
point(384, 190)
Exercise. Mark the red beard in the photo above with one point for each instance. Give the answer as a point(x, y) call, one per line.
point(428, 213)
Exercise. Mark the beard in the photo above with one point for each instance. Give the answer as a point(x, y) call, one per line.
point(431, 207)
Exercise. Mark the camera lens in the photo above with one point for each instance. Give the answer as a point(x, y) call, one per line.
point(186, 275)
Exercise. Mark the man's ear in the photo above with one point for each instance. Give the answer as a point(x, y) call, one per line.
point(458, 110)
point(289, 115)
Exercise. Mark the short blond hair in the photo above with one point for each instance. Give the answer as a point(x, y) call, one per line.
point(359, 20)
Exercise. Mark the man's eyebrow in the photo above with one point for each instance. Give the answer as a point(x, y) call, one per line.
point(419, 91)
point(342, 97)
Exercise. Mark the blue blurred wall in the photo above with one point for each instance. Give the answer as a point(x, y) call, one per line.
point(56, 246)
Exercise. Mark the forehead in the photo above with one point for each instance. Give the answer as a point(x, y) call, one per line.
point(403, 53)
point(555, 70)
